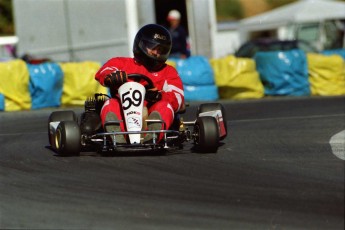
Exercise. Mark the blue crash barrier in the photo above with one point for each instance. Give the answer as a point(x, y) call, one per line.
point(283, 73)
point(2, 102)
point(340, 52)
point(201, 93)
point(46, 83)
point(195, 70)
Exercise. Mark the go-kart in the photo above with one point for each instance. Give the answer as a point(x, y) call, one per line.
point(69, 135)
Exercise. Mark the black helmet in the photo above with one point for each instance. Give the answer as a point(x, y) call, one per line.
point(152, 36)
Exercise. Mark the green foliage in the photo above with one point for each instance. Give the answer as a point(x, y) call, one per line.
point(228, 10)
point(278, 3)
point(6, 18)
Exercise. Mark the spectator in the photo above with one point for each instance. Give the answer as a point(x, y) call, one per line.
point(178, 34)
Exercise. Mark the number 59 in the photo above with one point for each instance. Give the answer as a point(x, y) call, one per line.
point(128, 100)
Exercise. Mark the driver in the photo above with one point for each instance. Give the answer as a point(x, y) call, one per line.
point(151, 49)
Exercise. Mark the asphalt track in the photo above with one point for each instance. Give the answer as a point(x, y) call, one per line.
point(275, 170)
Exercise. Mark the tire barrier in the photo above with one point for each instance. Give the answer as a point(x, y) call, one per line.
point(14, 86)
point(195, 70)
point(283, 73)
point(200, 92)
point(46, 83)
point(2, 102)
point(79, 82)
point(340, 52)
point(290, 73)
point(326, 74)
point(237, 78)
point(197, 77)
point(171, 62)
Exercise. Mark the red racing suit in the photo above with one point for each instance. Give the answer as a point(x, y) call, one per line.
point(165, 80)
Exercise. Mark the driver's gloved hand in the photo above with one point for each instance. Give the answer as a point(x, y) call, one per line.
point(116, 78)
point(153, 95)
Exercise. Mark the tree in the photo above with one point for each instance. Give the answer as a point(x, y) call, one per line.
point(278, 3)
point(228, 10)
point(6, 18)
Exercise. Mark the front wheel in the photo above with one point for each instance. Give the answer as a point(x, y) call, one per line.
point(206, 134)
point(67, 138)
point(59, 116)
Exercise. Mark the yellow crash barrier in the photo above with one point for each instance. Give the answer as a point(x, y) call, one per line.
point(237, 78)
point(79, 82)
point(171, 62)
point(14, 78)
point(326, 74)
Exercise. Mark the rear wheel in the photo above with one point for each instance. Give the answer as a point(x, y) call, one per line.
point(68, 115)
point(206, 134)
point(212, 107)
point(67, 138)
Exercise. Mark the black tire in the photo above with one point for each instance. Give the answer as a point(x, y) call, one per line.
point(60, 116)
point(211, 107)
point(67, 138)
point(67, 115)
point(206, 134)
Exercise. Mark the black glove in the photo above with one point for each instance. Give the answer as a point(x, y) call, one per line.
point(115, 79)
point(153, 95)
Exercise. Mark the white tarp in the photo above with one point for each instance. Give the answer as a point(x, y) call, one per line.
point(298, 12)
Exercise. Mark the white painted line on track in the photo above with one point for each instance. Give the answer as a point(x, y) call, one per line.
point(337, 143)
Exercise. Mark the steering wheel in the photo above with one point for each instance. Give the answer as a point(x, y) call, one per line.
point(137, 77)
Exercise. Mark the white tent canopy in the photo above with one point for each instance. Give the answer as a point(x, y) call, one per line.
point(299, 12)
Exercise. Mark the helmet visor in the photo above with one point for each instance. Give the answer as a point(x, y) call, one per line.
point(155, 50)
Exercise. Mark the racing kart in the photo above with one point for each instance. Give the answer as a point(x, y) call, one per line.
point(70, 135)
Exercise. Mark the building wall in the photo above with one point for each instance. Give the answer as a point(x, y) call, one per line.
point(71, 30)
point(77, 30)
